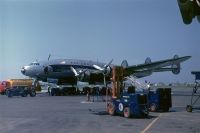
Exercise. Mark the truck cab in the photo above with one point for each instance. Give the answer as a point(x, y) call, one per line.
point(3, 85)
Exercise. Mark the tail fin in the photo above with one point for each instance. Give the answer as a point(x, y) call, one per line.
point(176, 67)
point(124, 64)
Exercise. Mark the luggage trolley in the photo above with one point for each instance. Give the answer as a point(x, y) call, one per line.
point(195, 94)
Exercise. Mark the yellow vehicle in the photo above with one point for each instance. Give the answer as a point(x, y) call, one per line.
point(19, 83)
point(23, 87)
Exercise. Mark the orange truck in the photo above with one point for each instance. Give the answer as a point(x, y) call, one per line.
point(3, 85)
point(13, 83)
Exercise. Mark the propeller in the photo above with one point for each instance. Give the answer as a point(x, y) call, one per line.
point(48, 69)
point(105, 69)
point(79, 73)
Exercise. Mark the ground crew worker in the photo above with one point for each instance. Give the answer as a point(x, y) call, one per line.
point(88, 95)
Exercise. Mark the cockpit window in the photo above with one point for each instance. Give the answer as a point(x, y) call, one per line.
point(35, 64)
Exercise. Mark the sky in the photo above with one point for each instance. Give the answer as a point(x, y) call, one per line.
point(98, 30)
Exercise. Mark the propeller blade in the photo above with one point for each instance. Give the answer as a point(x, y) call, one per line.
point(98, 67)
point(105, 69)
point(78, 73)
point(82, 71)
point(74, 71)
point(105, 66)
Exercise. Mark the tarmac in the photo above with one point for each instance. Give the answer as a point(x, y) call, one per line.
point(73, 114)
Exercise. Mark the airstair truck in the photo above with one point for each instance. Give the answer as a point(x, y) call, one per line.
point(19, 87)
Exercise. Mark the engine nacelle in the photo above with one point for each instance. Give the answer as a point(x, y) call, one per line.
point(48, 69)
point(124, 64)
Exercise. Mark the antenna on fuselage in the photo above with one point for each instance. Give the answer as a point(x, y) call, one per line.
point(49, 57)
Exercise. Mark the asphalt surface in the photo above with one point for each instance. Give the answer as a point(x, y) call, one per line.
point(72, 114)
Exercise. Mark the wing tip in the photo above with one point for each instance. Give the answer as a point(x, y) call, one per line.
point(187, 57)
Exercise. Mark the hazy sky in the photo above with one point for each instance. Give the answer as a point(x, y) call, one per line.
point(96, 30)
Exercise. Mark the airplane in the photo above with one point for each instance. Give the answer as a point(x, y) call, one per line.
point(69, 71)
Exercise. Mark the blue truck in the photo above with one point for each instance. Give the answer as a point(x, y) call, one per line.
point(160, 99)
point(129, 105)
point(138, 104)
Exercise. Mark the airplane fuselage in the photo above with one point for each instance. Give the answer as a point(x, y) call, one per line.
point(58, 68)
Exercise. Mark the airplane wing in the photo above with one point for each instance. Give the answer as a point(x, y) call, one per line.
point(148, 67)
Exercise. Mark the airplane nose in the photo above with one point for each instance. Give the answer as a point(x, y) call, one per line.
point(23, 70)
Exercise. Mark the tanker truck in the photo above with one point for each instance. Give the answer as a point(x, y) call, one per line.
point(18, 87)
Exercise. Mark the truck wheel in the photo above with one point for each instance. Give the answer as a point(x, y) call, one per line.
point(7, 91)
point(111, 108)
point(24, 94)
point(32, 93)
point(153, 107)
point(127, 112)
point(145, 112)
point(9, 94)
point(52, 92)
point(189, 108)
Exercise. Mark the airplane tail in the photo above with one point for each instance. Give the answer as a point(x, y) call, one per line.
point(124, 64)
point(176, 67)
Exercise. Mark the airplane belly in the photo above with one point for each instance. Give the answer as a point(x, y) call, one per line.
point(60, 75)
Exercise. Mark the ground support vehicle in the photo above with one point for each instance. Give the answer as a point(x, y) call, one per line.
point(160, 99)
point(20, 91)
point(19, 87)
point(129, 105)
